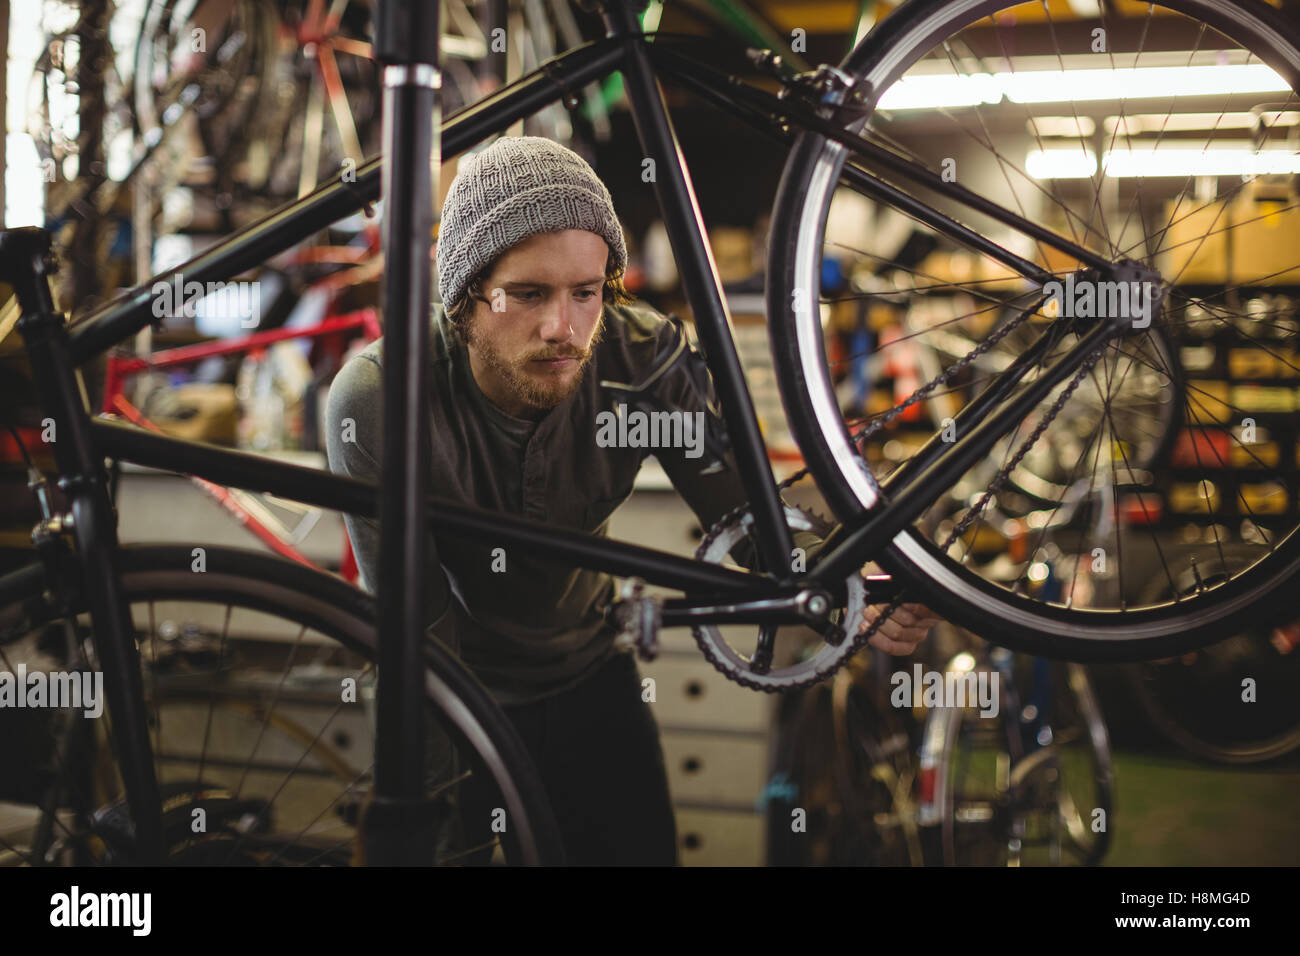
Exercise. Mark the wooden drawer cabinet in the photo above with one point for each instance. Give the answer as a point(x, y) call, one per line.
point(689, 693)
point(719, 838)
point(722, 769)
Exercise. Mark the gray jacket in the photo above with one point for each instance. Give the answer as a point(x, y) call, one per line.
point(526, 626)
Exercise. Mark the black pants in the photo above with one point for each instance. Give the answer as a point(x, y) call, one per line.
point(596, 747)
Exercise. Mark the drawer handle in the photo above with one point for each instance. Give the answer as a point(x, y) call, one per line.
point(694, 689)
point(691, 765)
point(692, 841)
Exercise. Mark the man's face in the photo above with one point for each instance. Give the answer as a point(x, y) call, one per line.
point(530, 341)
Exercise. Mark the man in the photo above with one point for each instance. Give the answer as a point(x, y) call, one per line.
point(530, 259)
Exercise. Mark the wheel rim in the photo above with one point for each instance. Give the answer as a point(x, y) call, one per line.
point(848, 483)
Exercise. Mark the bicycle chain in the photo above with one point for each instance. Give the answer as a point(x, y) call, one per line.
point(860, 640)
point(1001, 477)
point(942, 378)
point(875, 425)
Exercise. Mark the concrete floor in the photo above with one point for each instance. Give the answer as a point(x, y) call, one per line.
point(1172, 809)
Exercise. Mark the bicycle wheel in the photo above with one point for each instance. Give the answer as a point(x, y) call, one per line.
point(798, 802)
point(985, 87)
point(1233, 702)
point(255, 675)
point(1030, 785)
point(326, 103)
point(839, 794)
point(873, 767)
point(224, 56)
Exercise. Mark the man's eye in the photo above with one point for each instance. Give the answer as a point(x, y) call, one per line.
point(587, 294)
point(527, 296)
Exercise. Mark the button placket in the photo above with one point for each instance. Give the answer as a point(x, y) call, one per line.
point(535, 474)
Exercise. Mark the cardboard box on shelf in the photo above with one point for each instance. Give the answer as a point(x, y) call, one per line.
point(1195, 247)
point(962, 267)
point(1264, 240)
point(733, 251)
point(1249, 239)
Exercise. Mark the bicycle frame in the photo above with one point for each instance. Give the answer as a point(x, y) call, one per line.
point(56, 350)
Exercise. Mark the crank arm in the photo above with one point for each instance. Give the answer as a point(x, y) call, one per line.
point(808, 606)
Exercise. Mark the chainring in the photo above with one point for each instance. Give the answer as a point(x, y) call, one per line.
point(829, 658)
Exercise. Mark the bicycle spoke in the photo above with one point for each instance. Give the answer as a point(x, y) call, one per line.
point(63, 772)
point(212, 698)
point(329, 806)
point(266, 720)
point(1137, 199)
point(1098, 175)
point(285, 780)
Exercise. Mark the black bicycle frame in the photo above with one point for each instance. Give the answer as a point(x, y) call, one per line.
point(562, 77)
point(397, 827)
point(56, 350)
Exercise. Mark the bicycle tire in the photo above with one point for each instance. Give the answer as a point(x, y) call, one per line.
point(802, 818)
point(873, 769)
point(227, 115)
point(1183, 699)
point(266, 584)
point(825, 800)
point(808, 184)
point(1197, 745)
point(948, 726)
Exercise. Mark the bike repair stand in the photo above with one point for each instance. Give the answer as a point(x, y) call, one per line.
point(397, 827)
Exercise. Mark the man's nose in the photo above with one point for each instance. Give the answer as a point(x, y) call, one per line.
point(557, 326)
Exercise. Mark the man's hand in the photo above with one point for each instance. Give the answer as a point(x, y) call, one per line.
point(903, 630)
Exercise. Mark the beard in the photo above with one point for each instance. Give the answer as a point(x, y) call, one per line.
point(518, 375)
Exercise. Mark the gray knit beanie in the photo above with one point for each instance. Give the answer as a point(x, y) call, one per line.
point(516, 188)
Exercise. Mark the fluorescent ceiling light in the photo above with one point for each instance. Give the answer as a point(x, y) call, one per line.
point(1061, 164)
point(1229, 159)
point(1071, 126)
point(934, 85)
point(1185, 122)
point(1218, 161)
point(1142, 82)
point(935, 92)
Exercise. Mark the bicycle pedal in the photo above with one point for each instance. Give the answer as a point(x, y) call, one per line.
point(638, 617)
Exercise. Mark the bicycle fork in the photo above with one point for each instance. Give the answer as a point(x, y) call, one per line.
point(26, 263)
